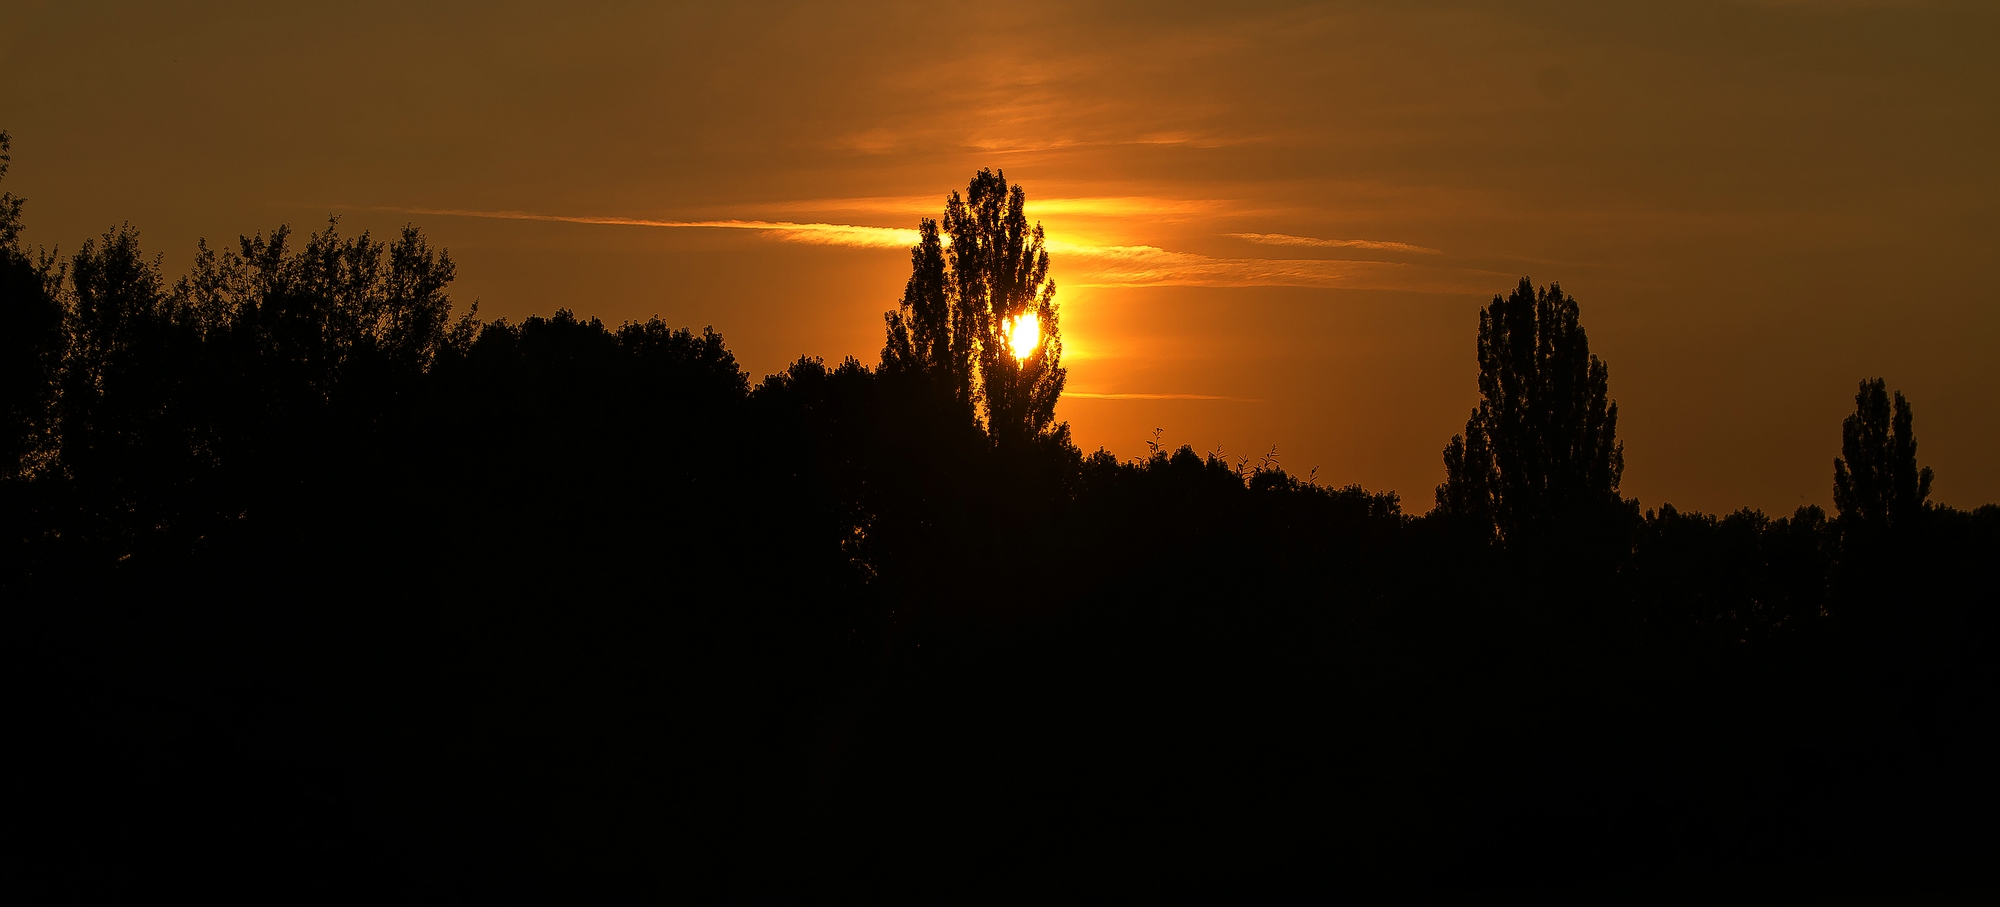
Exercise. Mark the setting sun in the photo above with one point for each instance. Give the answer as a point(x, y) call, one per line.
point(1023, 333)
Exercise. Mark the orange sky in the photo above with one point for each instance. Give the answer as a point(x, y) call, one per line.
point(1272, 224)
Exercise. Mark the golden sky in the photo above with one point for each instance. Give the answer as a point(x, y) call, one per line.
point(1272, 224)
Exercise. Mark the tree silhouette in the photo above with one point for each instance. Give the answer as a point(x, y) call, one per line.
point(10, 204)
point(929, 335)
point(31, 343)
point(971, 306)
point(337, 302)
point(131, 433)
point(1876, 481)
point(1540, 454)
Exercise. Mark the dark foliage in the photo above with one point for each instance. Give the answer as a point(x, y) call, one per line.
point(1876, 481)
point(1540, 460)
point(30, 346)
point(313, 592)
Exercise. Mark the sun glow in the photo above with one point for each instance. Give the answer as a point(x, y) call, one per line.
point(1023, 333)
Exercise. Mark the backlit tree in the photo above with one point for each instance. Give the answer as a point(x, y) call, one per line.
point(979, 315)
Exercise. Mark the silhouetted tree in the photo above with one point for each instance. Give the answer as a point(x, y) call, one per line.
point(10, 204)
point(332, 303)
point(1876, 480)
point(1466, 496)
point(929, 336)
point(1540, 453)
point(130, 436)
point(31, 344)
point(972, 305)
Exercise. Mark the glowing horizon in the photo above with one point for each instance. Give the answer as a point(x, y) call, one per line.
point(1303, 204)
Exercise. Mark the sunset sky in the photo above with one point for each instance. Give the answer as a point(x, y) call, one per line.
point(1272, 224)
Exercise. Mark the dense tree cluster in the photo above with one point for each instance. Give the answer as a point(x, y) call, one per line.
point(314, 591)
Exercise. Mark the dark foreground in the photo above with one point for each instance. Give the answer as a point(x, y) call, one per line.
point(308, 591)
point(574, 613)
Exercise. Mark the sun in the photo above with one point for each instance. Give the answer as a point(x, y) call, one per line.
point(1023, 334)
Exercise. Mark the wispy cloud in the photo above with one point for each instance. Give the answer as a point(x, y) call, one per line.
point(1085, 265)
point(817, 234)
point(1117, 206)
point(1132, 206)
point(1079, 264)
point(1286, 239)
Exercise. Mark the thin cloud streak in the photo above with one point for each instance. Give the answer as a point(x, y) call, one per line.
point(1286, 239)
point(1151, 266)
point(1082, 264)
point(818, 234)
point(1114, 206)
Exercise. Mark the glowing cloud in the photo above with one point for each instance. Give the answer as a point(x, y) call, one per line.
point(1084, 264)
point(818, 234)
point(1115, 206)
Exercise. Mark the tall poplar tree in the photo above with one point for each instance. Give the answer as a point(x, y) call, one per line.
point(979, 315)
point(1540, 456)
point(1876, 480)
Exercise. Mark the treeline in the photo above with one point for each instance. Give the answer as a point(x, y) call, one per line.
point(314, 590)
